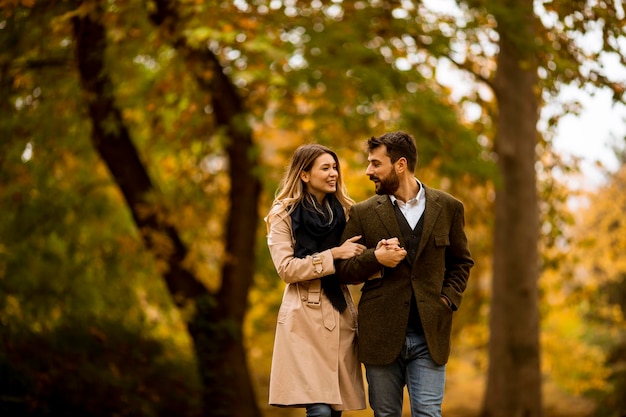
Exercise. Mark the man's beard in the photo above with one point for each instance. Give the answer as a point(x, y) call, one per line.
point(389, 185)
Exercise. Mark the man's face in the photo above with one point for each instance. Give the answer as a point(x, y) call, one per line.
point(382, 172)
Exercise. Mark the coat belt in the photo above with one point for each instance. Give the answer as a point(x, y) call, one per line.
point(314, 300)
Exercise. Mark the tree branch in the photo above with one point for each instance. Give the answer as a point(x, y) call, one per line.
point(111, 138)
point(469, 67)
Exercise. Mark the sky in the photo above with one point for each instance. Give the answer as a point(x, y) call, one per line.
point(589, 135)
point(592, 135)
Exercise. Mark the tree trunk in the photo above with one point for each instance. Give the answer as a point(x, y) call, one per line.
point(514, 376)
point(216, 325)
point(224, 370)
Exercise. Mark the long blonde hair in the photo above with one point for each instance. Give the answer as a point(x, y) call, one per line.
point(292, 190)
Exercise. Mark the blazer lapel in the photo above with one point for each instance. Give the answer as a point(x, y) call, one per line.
point(431, 213)
point(387, 216)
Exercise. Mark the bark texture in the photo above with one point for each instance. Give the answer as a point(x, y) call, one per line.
point(514, 376)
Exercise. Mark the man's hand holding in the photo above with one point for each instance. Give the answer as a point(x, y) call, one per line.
point(389, 253)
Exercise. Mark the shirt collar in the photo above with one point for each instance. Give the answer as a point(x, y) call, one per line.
point(412, 201)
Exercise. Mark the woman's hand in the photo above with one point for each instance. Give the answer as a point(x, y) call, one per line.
point(348, 249)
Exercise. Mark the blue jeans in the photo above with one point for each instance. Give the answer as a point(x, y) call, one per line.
point(321, 410)
point(414, 368)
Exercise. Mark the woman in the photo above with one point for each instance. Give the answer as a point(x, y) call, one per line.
point(314, 364)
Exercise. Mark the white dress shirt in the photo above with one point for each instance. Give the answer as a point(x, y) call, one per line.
point(414, 208)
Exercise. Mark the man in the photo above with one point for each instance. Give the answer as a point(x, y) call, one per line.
point(415, 270)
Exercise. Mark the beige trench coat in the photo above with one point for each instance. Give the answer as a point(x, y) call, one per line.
point(315, 348)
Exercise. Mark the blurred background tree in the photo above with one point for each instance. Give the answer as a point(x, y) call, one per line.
point(101, 314)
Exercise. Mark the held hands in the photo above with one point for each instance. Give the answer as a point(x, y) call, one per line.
point(390, 243)
point(389, 253)
point(348, 249)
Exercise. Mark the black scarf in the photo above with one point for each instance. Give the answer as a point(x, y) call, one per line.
point(313, 234)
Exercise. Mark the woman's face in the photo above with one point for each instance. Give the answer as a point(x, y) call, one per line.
point(322, 178)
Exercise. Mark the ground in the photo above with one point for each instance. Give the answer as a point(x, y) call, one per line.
point(463, 398)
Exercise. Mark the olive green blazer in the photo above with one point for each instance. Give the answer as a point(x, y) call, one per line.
point(441, 267)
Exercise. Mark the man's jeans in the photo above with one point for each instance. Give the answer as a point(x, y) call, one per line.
point(414, 368)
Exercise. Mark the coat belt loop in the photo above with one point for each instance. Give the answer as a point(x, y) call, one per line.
point(328, 315)
point(314, 292)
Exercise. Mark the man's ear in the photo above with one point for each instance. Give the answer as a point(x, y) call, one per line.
point(401, 165)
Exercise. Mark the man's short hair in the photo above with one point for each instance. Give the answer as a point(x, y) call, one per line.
point(399, 145)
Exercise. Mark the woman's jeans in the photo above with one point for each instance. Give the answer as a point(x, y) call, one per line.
point(414, 368)
point(321, 410)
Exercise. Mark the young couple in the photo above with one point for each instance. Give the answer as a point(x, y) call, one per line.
point(407, 245)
